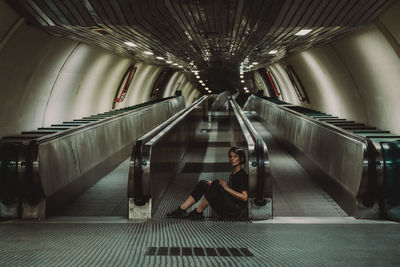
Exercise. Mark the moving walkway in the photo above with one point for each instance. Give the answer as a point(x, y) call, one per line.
point(42, 170)
point(357, 164)
point(167, 162)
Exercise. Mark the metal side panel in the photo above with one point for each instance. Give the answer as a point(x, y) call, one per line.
point(341, 157)
point(66, 160)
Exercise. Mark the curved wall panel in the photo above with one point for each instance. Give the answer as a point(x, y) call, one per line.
point(174, 83)
point(29, 65)
point(171, 85)
point(142, 83)
point(375, 68)
point(181, 80)
point(8, 19)
point(86, 84)
point(47, 80)
point(288, 93)
point(260, 85)
point(356, 77)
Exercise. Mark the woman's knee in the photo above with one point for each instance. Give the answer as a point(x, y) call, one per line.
point(202, 182)
point(215, 187)
point(200, 189)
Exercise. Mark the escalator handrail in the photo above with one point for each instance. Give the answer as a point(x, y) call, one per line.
point(54, 136)
point(334, 128)
point(261, 154)
point(171, 121)
point(148, 139)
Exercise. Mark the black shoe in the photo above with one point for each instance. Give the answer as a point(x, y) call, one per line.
point(178, 213)
point(194, 215)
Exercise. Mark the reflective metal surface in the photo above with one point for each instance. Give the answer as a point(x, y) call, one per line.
point(62, 166)
point(258, 166)
point(340, 155)
point(156, 160)
point(156, 157)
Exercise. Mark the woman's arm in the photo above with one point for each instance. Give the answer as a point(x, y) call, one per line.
point(243, 196)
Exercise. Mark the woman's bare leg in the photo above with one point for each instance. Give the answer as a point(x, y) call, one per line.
point(188, 203)
point(203, 205)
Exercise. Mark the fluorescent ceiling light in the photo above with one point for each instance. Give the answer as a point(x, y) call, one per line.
point(302, 32)
point(206, 88)
point(180, 66)
point(242, 81)
point(255, 63)
point(241, 76)
point(130, 44)
point(198, 77)
point(160, 58)
point(245, 88)
point(148, 53)
point(168, 61)
point(273, 52)
point(203, 84)
point(175, 64)
point(200, 81)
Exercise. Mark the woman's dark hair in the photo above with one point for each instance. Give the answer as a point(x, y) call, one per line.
point(240, 152)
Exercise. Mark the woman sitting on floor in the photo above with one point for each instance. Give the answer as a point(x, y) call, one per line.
point(226, 199)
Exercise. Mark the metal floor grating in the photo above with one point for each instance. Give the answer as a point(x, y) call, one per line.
point(179, 190)
point(125, 244)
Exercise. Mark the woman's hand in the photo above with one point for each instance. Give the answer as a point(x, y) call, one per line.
point(224, 184)
point(239, 195)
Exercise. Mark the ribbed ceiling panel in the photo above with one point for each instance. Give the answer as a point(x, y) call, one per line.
point(215, 36)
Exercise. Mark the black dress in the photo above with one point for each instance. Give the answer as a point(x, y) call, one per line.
point(220, 200)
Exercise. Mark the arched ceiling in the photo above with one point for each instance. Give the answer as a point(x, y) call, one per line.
point(213, 36)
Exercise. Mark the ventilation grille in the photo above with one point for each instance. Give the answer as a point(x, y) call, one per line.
point(198, 251)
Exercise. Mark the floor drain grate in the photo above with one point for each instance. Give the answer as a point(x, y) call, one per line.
point(198, 251)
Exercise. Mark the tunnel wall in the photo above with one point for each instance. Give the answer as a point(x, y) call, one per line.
point(356, 77)
point(46, 79)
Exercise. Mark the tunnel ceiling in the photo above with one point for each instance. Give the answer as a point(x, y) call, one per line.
point(213, 36)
